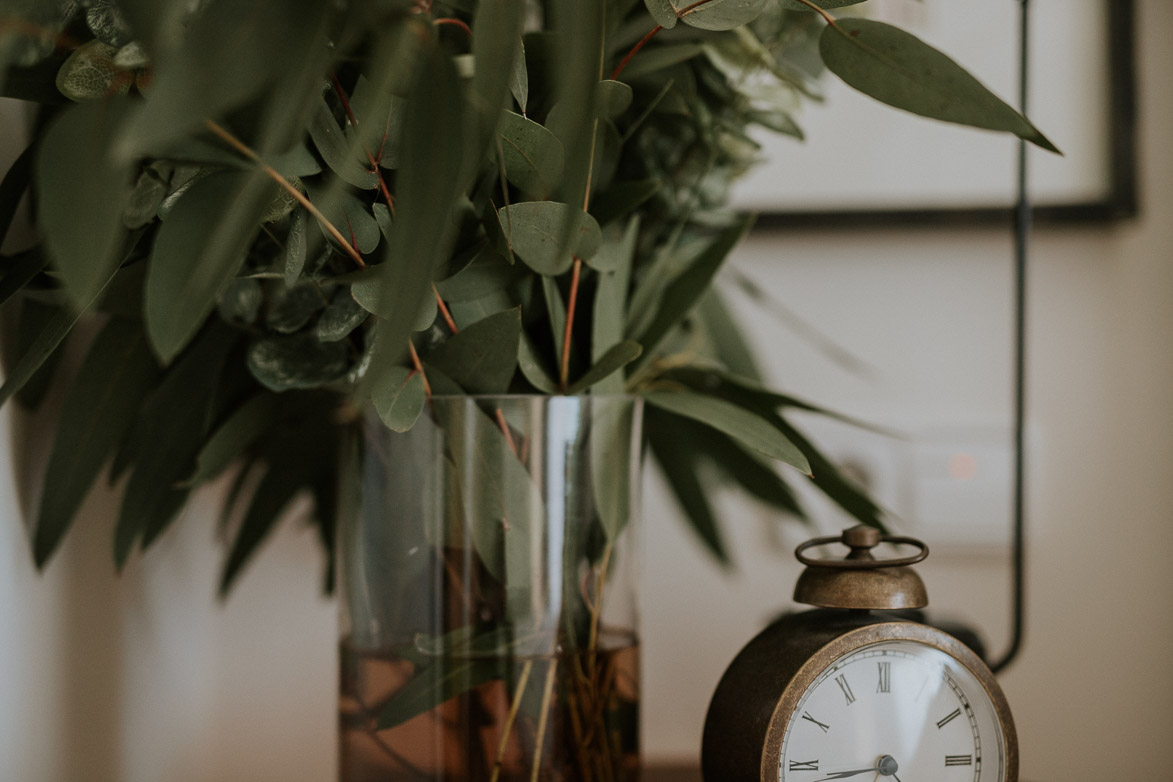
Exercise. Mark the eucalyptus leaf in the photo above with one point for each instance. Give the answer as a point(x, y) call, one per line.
point(331, 142)
point(531, 366)
point(295, 247)
point(241, 301)
point(399, 398)
point(679, 461)
point(610, 306)
point(622, 199)
point(297, 361)
point(519, 81)
point(107, 23)
point(436, 684)
point(737, 422)
point(729, 342)
point(579, 28)
point(496, 45)
point(502, 504)
point(19, 271)
point(778, 121)
point(219, 60)
point(292, 308)
point(429, 185)
point(531, 154)
point(197, 251)
point(652, 61)
point(488, 273)
point(240, 430)
point(103, 400)
point(170, 430)
point(80, 217)
point(721, 14)
point(831, 480)
point(612, 98)
point(277, 489)
point(826, 5)
point(340, 318)
point(90, 73)
point(132, 56)
point(743, 467)
point(663, 12)
point(899, 69)
point(349, 214)
point(379, 114)
point(613, 456)
point(556, 314)
point(367, 290)
point(482, 357)
point(149, 191)
point(44, 346)
point(533, 230)
point(33, 319)
point(681, 294)
point(747, 390)
point(617, 357)
point(13, 187)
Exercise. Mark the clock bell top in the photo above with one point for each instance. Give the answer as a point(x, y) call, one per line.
point(860, 581)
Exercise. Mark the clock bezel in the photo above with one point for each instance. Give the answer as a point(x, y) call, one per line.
point(853, 640)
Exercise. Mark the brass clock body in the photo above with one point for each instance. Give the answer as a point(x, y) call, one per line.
point(836, 693)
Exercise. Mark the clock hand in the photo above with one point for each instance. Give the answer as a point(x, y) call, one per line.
point(885, 766)
point(846, 774)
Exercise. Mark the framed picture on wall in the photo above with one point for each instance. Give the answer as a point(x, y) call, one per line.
point(864, 163)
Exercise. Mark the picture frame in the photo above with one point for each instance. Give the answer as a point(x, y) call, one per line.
point(863, 164)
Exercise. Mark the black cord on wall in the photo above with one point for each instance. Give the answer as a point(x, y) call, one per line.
point(1022, 231)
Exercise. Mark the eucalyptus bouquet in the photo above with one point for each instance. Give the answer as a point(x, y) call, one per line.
point(279, 211)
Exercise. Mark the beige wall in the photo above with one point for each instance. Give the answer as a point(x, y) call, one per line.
point(147, 678)
point(1092, 691)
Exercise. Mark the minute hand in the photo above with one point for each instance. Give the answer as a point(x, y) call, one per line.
point(846, 774)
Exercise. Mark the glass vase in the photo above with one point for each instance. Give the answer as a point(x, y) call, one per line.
point(489, 573)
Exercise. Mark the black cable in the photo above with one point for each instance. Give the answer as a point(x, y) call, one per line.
point(1022, 230)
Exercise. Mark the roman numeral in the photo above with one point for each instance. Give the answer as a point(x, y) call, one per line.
point(959, 760)
point(806, 716)
point(885, 684)
point(952, 716)
point(803, 765)
point(841, 680)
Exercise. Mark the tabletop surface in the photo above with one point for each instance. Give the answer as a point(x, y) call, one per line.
point(672, 774)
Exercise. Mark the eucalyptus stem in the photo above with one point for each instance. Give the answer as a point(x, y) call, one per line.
point(371, 158)
point(419, 367)
point(564, 376)
point(634, 51)
point(540, 739)
point(821, 12)
point(518, 693)
point(226, 136)
point(444, 311)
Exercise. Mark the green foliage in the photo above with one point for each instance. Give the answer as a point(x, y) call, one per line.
point(901, 70)
point(278, 197)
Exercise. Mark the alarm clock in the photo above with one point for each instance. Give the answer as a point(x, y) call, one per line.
point(853, 690)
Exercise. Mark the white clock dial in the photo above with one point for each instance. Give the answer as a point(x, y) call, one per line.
point(894, 710)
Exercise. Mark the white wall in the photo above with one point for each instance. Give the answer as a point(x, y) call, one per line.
point(147, 678)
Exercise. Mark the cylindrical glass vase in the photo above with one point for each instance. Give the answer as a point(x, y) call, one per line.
point(489, 576)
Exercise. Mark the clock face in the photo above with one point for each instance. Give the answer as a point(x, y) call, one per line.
point(894, 710)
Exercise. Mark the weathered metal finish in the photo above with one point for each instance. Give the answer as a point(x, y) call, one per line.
point(860, 581)
point(757, 697)
point(885, 631)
